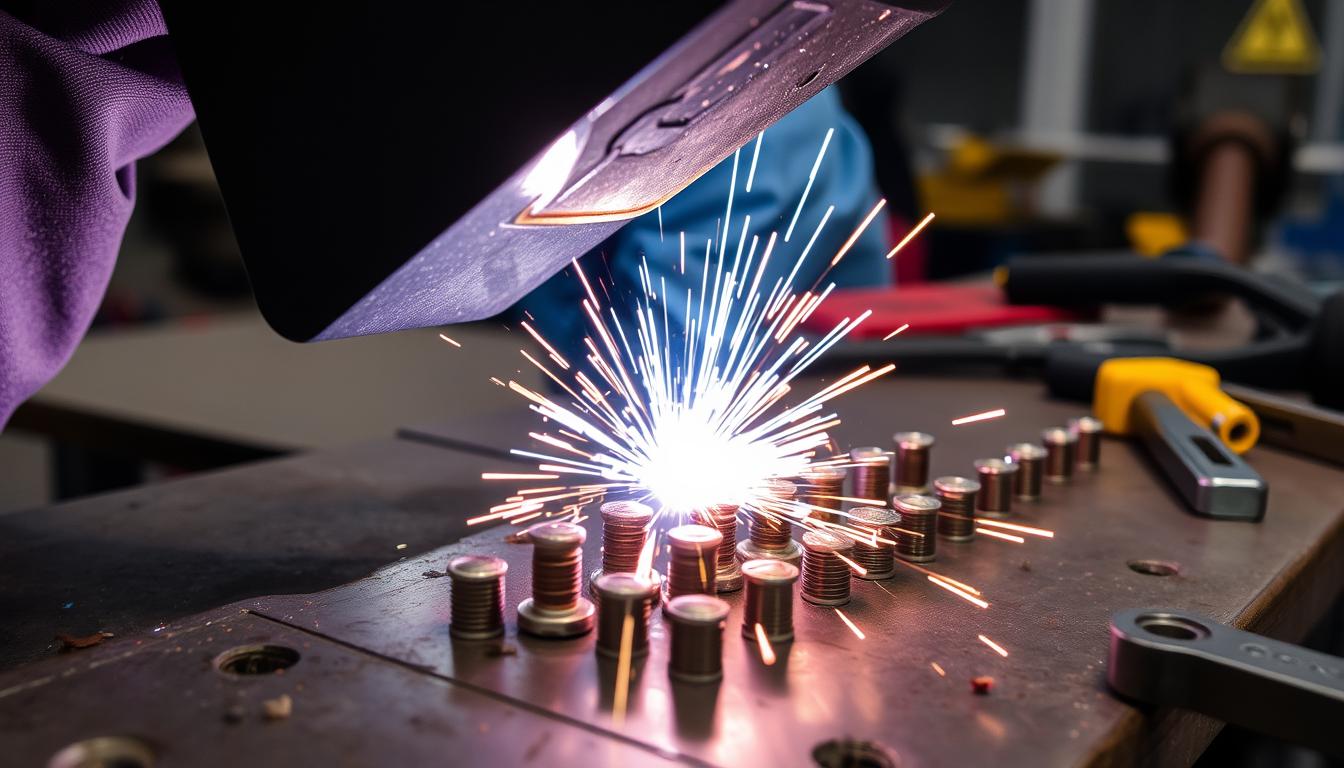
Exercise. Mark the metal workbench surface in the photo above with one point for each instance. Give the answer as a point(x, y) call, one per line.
point(129, 561)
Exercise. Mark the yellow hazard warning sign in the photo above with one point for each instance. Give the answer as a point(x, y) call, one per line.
point(1275, 38)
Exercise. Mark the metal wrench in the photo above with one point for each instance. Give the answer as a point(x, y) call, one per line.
point(1180, 659)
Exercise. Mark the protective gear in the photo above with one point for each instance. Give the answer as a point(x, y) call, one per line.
point(788, 152)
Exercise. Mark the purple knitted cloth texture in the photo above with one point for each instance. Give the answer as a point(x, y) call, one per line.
point(86, 89)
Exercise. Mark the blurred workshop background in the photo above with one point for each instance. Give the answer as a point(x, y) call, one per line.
point(1028, 126)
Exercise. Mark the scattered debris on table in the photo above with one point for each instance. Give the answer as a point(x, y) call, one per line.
point(73, 643)
point(279, 708)
point(502, 649)
point(234, 714)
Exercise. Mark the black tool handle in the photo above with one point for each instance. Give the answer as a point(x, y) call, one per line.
point(1180, 659)
point(1077, 281)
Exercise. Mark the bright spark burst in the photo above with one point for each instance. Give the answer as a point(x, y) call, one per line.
point(985, 416)
point(701, 412)
point(685, 418)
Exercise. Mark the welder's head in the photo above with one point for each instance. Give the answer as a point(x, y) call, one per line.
point(399, 166)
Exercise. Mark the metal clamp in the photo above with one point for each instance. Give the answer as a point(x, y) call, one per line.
point(1179, 659)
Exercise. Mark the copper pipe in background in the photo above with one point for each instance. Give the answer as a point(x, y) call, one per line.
point(1223, 215)
point(1233, 148)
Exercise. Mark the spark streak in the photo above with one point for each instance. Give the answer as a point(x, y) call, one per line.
point(694, 411)
point(811, 177)
point(859, 569)
point(911, 236)
point(755, 155)
point(997, 648)
point(958, 584)
point(622, 693)
point(985, 416)
point(767, 652)
point(711, 420)
point(937, 668)
point(964, 595)
point(1019, 528)
point(450, 341)
point(840, 254)
point(852, 626)
point(999, 535)
point(891, 335)
point(853, 499)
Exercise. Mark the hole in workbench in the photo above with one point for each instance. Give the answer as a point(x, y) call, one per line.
point(1172, 627)
point(807, 79)
point(104, 752)
point(1154, 567)
point(845, 753)
point(256, 660)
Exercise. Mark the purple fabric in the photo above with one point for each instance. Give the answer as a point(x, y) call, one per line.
point(83, 95)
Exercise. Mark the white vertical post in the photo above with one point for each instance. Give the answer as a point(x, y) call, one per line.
point(1054, 95)
point(1330, 80)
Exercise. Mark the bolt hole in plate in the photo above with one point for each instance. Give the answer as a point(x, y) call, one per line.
point(1172, 627)
point(256, 659)
point(104, 752)
point(846, 753)
point(1154, 567)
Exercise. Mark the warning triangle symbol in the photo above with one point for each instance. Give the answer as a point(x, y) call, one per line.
point(1275, 38)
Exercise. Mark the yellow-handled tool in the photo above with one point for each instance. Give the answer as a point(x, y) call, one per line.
point(1194, 388)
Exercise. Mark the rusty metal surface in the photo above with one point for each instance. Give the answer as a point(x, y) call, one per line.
point(127, 561)
point(348, 708)
point(1050, 606)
